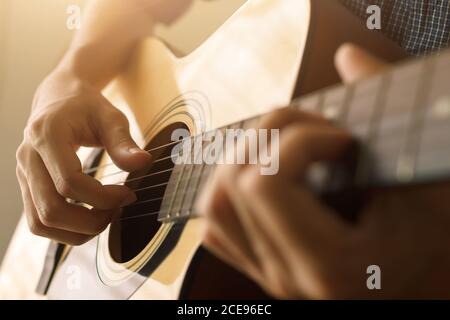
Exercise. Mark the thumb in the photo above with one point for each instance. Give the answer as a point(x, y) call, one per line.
point(114, 133)
point(354, 63)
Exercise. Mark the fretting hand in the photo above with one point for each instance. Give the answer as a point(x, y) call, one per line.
point(276, 231)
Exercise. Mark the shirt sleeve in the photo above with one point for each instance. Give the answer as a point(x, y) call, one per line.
point(419, 26)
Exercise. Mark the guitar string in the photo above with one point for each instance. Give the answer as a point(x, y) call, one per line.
point(137, 178)
point(198, 184)
point(183, 179)
point(146, 176)
point(152, 174)
point(199, 177)
point(165, 195)
point(94, 169)
point(143, 177)
point(295, 103)
point(153, 213)
point(140, 177)
point(148, 214)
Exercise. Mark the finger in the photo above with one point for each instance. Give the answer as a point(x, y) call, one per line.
point(283, 217)
point(300, 146)
point(222, 222)
point(283, 117)
point(214, 202)
point(290, 220)
point(272, 264)
point(53, 210)
point(354, 63)
point(114, 133)
point(220, 244)
point(35, 225)
point(59, 156)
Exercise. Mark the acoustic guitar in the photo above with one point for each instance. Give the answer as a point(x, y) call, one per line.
point(265, 55)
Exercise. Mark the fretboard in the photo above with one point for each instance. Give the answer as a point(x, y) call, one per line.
point(400, 117)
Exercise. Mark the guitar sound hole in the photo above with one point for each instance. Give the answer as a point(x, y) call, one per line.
point(138, 223)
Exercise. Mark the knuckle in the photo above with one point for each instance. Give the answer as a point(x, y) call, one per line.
point(48, 214)
point(332, 283)
point(33, 129)
point(115, 124)
point(20, 152)
point(78, 241)
point(329, 289)
point(215, 206)
point(212, 205)
point(40, 129)
point(115, 116)
point(208, 235)
point(35, 227)
point(279, 117)
point(298, 135)
point(206, 202)
point(277, 284)
point(251, 181)
point(64, 186)
point(18, 172)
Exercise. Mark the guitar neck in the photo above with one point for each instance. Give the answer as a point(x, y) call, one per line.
point(401, 118)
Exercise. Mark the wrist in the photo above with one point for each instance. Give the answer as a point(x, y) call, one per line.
point(79, 64)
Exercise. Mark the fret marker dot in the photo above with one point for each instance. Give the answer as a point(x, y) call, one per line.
point(331, 112)
point(405, 169)
point(442, 108)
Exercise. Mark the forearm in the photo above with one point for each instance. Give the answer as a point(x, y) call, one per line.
point(110, 30)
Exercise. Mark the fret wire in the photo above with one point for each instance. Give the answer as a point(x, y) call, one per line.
point(411, 149)
point(189, 177)
point(321, 101)
point(200, 156)
point(345, 108)
point(364, 164)
point(346, 104)
point(297, 103)
point(206, 172)
point(199, 183)
point(173, 183)
point(182, 166)
point(188, 204)
point(182, 184)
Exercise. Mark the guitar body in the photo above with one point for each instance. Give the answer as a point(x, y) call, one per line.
point(265, 54)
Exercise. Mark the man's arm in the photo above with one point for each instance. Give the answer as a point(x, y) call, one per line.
point(110, 30)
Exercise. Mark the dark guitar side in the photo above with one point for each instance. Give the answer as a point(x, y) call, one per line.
point(331, 26)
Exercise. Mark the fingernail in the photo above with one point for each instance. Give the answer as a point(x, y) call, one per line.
point(131, 198)
point(135, 150)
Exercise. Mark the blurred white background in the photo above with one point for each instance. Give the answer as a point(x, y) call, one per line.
point(33, 36)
